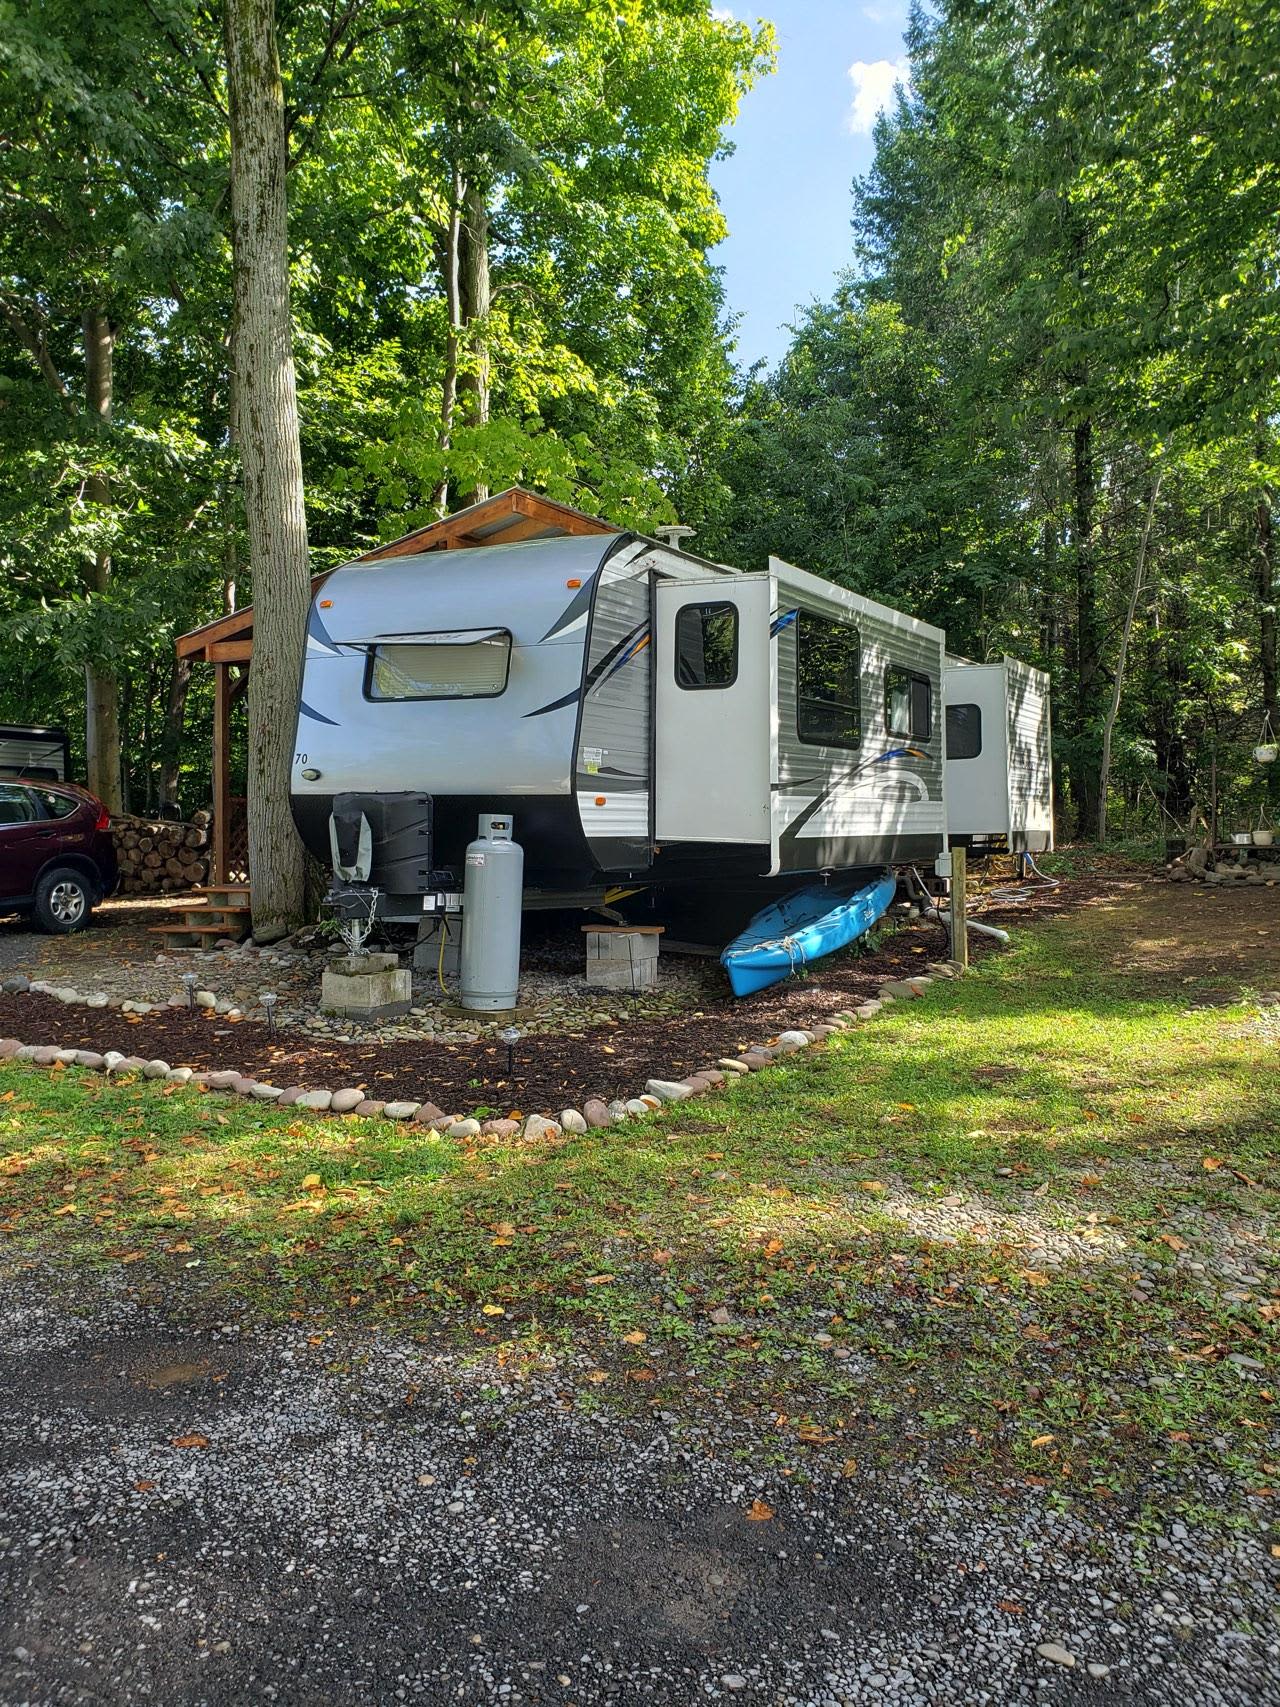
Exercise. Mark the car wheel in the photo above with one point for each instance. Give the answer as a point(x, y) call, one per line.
point(63, 901)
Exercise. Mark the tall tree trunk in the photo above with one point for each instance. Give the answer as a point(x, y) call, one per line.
point(476, 301)
point(1087, 632)
point(1168, 708)
point(1265, 575)
point(270, 455)
point(102, 689)
point(453, 307)
point(171, 732)
point(1117, 686)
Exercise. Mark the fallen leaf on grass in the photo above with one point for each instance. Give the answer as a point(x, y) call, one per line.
point(1209, 1163)
point(493, 1310)
point(68, 1209)
point(849, 1467)
point(143, 1487)
point(759, 1512)
point(183, 1248)
point(598, 1279)
point(635, 1337)
point(131, 1256)
point(596, 1376)
point(1042, 1440)
point(190, 1440)
point(871, 1185)
point(813, 1434)
point(313, 1182)
point(1173, 1241)
point(1011, 1606)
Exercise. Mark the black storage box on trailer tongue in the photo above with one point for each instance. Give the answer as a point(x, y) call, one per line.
point(400, 840)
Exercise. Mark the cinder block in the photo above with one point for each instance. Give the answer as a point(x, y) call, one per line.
point(379, 989)
point(622, 959)
point(622, 974)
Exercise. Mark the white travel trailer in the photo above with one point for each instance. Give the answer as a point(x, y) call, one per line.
point(39, 755)
point(645, 716)
point(999, 755)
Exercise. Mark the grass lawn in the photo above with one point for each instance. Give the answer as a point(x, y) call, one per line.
point(1025, 1225)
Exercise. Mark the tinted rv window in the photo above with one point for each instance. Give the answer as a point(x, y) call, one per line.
point(908, 704)
point(828, 662)
point(707, 645)
point(452, 666)
point(964, 731)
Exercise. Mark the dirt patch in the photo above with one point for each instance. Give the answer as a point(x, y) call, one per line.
point(1224, 937)
point(551, 1072)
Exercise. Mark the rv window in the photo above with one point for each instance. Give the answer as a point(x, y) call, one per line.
point(964, 731)
point(707, 646)
point(451, 667)
point(908, 704)
point(828, 663)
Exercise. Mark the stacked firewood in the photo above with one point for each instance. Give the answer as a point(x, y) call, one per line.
point(160, 855)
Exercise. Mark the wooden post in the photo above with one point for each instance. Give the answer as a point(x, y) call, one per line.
point(959, 930)
point(221, 773)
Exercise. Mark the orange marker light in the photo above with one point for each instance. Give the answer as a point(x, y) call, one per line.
point(574, 583)
point(326, 604)
point(600, 799)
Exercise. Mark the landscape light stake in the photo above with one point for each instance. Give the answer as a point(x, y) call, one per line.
point(269, 1000)
point(510, 1035)
point(189, 979)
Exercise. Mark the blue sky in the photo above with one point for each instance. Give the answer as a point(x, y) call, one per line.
point(802, 136)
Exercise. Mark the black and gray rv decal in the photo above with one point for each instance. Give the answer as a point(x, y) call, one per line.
point(622, 652)
point(316, 716)
point(575, 611)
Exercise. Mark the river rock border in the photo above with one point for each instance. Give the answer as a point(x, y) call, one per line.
point(351, 1100)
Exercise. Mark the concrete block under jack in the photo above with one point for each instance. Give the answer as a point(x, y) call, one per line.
point(366, 986)
point(619, 959)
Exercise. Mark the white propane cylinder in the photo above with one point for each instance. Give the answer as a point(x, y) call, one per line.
point(492, 894)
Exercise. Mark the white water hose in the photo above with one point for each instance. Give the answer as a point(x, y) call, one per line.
point(932, 911)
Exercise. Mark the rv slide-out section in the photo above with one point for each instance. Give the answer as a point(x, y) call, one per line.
point(999, 755)
point(857, 730)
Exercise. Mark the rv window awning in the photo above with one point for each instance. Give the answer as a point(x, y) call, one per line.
point(431, 637)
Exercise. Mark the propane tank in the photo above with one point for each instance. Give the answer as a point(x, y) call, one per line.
point(493, 889)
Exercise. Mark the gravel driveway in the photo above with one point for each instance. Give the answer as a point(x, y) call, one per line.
point(362, 1521)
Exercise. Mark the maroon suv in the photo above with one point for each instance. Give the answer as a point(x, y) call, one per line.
point(56, 859)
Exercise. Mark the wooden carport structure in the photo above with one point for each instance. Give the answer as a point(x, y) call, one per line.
point(227, 641)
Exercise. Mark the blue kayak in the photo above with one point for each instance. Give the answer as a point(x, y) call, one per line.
point(803, 926)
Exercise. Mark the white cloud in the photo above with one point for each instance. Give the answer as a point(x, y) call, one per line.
point(722, 14)
point(883, 14)
point(873, 89)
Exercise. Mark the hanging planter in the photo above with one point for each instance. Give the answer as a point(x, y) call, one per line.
point(1268, 748)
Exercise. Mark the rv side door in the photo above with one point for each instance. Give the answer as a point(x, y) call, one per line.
point(712, 709)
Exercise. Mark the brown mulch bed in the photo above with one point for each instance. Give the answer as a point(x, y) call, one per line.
point(550, 1072)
